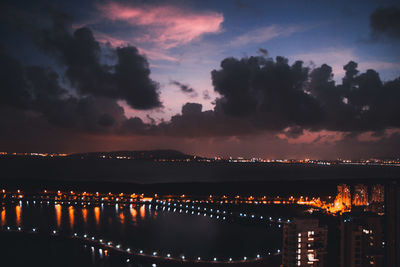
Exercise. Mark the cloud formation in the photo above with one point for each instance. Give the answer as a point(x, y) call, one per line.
point(128, 79)
point(258, 96)
point(275, 95)
point(386, 21)
point(34, 94)
point(166, 26)
point(264, 34)
point(185, 88)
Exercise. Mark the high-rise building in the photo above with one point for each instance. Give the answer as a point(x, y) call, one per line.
point(377, 199)
point(360, 197)
point(378, 193)
point(392, 224)
point(304, 243)
point(361, 242)
point(343, 198)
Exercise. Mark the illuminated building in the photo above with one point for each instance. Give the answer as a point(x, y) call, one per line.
point(343, 199)
point(361, 241)
point(304, 243)
point(360, 195)
point(378, 194)
point(377, 199)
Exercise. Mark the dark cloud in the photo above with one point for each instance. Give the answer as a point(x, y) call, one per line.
point(128, 79)
point(206, 95)
point(294, 132)
point(185, 88)
point(194, 122)
point(263, 51)
point(257, 95)
point(191, 109)
point(268, 93)
point(36, 91)
point(274, 95)
point(386, 21)
point(13, 89)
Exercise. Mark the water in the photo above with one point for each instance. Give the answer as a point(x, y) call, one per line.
point(143, 227)
point(144, 172)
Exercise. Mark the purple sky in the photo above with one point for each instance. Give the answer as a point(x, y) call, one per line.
point(107, 96)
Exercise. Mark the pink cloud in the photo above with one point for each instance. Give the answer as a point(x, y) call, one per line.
point(309, 137)
point(116, 42)
point(264, 34)
point(107, 39)
point(157, 55)
point(370, 137)
point(166, 26)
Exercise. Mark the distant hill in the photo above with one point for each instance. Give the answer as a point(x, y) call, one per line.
point(168, 154)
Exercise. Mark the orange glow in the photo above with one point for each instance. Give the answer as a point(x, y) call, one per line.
point(84, 215)
point(58, 214)
point(18, 215)
point(3, 217)
point(122, 217)
point(133, 212)
point(97, 215)
point(71, 211)
point(142, 212)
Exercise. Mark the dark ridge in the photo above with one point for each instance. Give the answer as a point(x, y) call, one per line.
point(136, 154)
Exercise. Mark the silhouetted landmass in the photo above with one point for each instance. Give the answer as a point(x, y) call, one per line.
point(138, 155)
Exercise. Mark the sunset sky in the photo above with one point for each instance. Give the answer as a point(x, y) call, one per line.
point(212, 78)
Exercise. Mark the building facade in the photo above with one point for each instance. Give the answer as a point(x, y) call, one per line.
point(304, 243)
point(361, 242)
point(344, 195)
point(360, 197)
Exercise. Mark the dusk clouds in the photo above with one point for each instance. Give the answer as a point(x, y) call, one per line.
point(165, 26)
point(264, 34)
point(186, 89)
point(84, 77)
point(128, 79)
point(386, 21)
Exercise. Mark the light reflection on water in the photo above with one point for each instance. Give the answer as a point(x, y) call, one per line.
point(18, 215)
point(97, 216)
point(142, 212)
point(3, 217)
point(138, 226)
point(122, 217)
point(71, 211)
point(84, 215)
point(58, 208)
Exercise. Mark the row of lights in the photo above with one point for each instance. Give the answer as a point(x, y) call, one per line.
point(126, 196)
point(167, 256)
point(139, 252)
point(215, 212)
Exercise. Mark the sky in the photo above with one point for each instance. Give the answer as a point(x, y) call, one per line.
point(270, 79)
